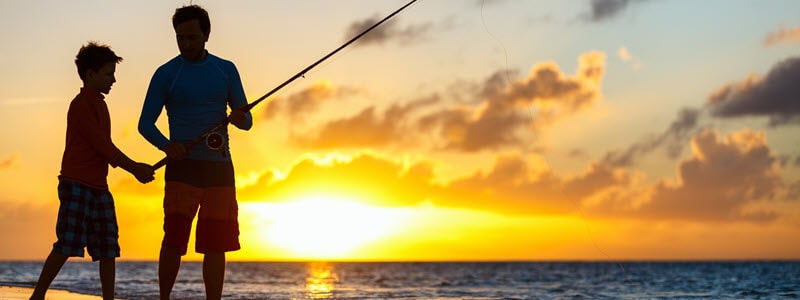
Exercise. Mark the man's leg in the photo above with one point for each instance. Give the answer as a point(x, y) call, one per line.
point(50, 269)
point(169, 262)
point(180, 207)
point(214, 274)
point(108, 273)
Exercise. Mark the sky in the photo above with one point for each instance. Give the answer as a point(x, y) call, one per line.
point(459, 130)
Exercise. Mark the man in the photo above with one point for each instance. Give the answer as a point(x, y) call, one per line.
point(196, 88)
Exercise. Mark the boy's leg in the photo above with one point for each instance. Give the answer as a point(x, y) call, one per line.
point(103, 238)
point(214, 274)
point(70, 232)
point(169, 262)
point(107, 277)
point(50, 269)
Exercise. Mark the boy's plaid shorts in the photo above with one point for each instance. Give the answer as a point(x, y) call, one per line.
point(86, 218)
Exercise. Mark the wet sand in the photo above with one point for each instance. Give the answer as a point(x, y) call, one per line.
point(19, 293)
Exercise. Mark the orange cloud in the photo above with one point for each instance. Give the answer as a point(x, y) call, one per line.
point(514, 185)
point(626, 56)
point(722, 179)
point(489, 115)
point(9, 162)
point(29, 227)
point(366, 129)
point(369, 178)
point(506, 110)
point(782, 35)
point(305, 102)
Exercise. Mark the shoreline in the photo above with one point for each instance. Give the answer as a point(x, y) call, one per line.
point(20, 293)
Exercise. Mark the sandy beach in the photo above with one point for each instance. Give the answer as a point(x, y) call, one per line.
point(18, 293)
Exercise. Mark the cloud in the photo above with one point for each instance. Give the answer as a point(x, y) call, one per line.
point(366, 129)
point(514, 185)
point(793, 193)
point(672, 140)
point(726, 179)
point(722, 181)
point(777, 95)
point(470, 117)
point(506, 109)
point(9, 162)
point(305, 102)
point(27, 227)
point(602, 10)
point(367, 177)
point(626, 56)
point(783, 36)
point(388, 31)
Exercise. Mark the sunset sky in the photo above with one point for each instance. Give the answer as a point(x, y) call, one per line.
point(460, 130)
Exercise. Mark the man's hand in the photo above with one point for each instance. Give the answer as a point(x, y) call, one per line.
point(143, 172)
point(175, 151)
point(238, 117)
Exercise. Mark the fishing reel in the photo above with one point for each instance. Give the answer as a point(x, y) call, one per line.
point(216, 141)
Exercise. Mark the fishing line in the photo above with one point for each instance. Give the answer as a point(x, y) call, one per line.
point(544, 157)
point(505, 51)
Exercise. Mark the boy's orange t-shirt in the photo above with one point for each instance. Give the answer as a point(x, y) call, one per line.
point(89, 149)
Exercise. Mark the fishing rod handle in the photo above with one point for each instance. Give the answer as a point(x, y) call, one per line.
point(194, 142)
point(160, 164)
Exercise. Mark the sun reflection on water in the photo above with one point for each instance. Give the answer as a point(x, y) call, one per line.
point(321, 281)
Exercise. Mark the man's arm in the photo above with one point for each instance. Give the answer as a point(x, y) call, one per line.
point(238, 117)
point(154, 102)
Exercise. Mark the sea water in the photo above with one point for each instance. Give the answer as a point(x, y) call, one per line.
point(441, 280)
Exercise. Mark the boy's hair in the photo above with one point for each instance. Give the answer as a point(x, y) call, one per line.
point(192, 12)
point(94, 56)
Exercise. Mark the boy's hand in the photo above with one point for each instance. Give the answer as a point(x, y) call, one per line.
point(238, 117)
point(175, 151)
point(143, 172)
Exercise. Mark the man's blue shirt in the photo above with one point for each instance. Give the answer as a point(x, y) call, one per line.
point(196, 96)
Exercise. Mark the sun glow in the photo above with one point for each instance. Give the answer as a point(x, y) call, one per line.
point(324, 227)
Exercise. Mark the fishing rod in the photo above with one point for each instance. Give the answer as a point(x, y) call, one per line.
point(215, 140)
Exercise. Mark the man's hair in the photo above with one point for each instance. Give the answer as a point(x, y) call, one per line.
point(192, 12)
point(94, 56)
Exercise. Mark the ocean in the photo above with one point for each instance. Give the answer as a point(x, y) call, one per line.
point(441, 280)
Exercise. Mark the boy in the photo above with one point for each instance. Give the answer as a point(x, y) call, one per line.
point(86, 215)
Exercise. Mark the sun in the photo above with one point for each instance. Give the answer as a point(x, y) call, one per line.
point(324, 226)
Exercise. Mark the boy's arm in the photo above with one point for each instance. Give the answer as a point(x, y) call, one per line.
point(143, 172)
point(80, 114)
